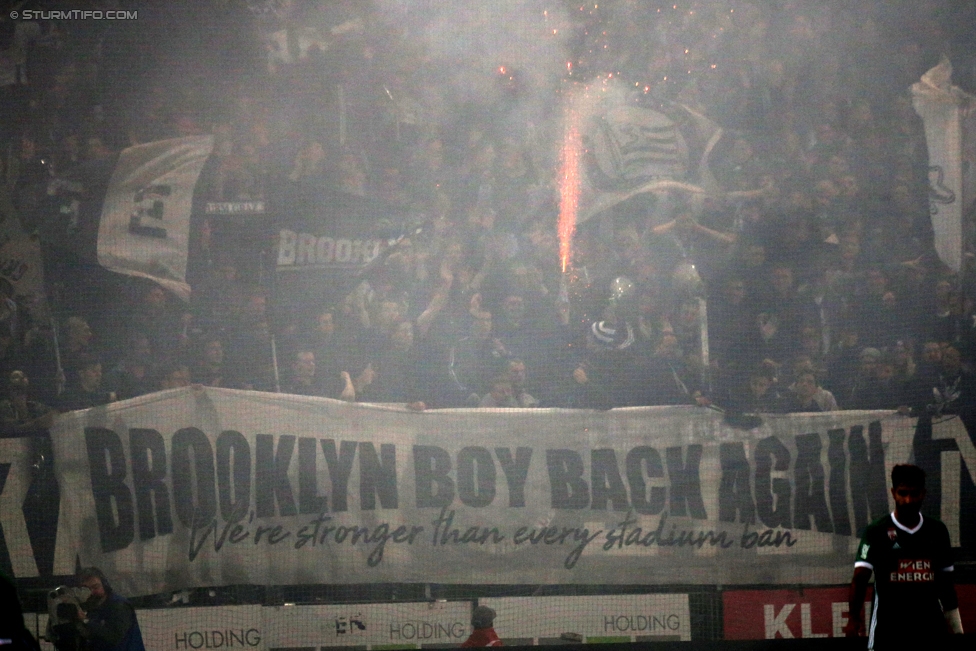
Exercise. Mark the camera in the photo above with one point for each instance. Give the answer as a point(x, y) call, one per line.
point(64, 602)
point(68, 595)
point(64, 605)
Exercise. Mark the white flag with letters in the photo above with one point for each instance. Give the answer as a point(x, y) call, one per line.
point(949, 115)
point(145, 224)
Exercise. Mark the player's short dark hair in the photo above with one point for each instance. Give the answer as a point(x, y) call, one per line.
point(907, 475)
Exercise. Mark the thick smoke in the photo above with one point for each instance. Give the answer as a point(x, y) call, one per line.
point(511, 53)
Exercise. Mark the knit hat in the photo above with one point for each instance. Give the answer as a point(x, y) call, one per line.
point(482, 617)
point(873, 353)
point(612, 337)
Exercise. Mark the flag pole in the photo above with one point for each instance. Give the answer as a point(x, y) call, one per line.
point(274, 364)
point(340, 91)
point(54, 304)
point(59, 378)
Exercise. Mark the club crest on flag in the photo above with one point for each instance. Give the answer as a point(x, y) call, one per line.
point(629, 148)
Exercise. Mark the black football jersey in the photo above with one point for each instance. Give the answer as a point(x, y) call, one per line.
point(905, 562)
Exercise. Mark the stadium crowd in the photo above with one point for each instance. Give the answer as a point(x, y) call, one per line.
point(821, 287)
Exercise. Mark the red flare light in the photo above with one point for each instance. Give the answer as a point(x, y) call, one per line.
point(569, 185)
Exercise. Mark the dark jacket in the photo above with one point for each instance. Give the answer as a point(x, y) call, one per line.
point(113, 626)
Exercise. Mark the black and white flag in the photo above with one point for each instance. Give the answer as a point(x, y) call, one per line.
point(128, 213)
point(949, 115)
point(144, 228)
point(630, 148)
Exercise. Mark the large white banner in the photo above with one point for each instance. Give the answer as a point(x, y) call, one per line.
point(16, 457)
point(949, 116)
point(145, 225)
point(200, 486)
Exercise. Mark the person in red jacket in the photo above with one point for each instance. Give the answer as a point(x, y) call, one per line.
point(482, 619)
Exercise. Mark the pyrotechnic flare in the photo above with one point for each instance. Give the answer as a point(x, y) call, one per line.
point(569, 183)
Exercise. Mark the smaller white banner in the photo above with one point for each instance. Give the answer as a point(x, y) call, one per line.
point(610, 618)
point(370, 625)
point(219, 627)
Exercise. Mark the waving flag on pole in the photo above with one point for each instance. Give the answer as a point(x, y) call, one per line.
point(144, 228)
point(949, 115)
point(129, 213)
point(631, 149)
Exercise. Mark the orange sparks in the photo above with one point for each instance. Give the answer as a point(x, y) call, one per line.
point(569, 185)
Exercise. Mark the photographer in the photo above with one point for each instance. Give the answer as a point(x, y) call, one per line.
point(106, 621)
